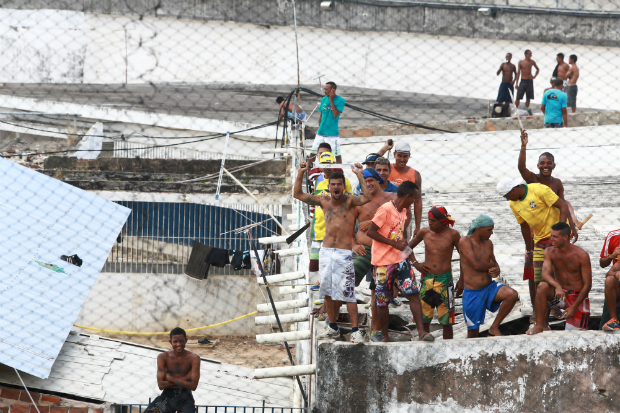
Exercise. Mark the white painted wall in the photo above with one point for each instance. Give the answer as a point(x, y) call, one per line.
point(58, 46)
point(160, 302)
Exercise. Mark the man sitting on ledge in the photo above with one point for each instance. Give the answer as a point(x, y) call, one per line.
point(570, 287)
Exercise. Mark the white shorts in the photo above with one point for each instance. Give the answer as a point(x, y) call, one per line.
point(334, 141)
point(337, 275)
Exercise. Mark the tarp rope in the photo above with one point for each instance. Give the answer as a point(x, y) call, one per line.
point(164, 332)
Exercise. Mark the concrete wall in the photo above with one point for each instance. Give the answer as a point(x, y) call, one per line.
point(171, 50)
point(563, 372)
point(160, 302)
point(440, 19)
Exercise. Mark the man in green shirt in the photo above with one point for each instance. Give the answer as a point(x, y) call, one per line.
point(330, 109)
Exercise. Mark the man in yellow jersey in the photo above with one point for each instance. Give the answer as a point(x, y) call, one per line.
point(537, 208)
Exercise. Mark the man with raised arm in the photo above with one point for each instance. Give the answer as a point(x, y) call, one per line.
point(387, 230)
point(400, 172)
point(330, 109)
point(508, 71)
point(437, 290)
point(526, 86)
point(362, 243)
point(567, 279)
point(478, 268)
point(546, 165)
point(335, 259)
point(178, 373)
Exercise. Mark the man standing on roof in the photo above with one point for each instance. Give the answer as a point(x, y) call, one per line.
point(336, 261)
point(381, 165)
point(509, 71)
point(546, 165)
point(478, 268)
point(553, 105)
point(401, 172)
point(573, 76)
point(526, 86)
point(437, 289)
point(561, 70)
point(567, 280)
point(609, 255)
point(362, 243)
point(330, 109)
point(178, 373)
point(387, 231)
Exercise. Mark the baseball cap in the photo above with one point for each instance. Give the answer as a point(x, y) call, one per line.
point(505, 185)
point(327, 157)
point(371, 173)
point(371, 158)
point(402, 147)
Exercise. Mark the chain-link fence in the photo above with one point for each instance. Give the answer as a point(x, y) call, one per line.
point(149, 146)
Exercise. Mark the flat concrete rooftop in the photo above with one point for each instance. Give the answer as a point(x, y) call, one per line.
point(251, 103)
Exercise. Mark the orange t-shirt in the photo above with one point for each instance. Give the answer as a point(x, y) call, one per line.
point(399, 178)
point(391, 225)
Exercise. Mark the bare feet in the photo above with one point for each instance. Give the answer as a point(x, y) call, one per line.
point(532, 320)
point(535, 330)
point(386, 339)
point(494, 331)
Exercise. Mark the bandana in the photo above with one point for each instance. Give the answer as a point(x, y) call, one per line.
point(480, 221)
point(371, 173)
point(441, 214)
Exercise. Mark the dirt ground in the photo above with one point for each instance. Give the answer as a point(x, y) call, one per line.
point(241, 351)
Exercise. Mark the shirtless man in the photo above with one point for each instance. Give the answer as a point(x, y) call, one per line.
point(561, 70)
point(300, 114)
point(508, 70)
point(478, 268)
point(567, 279)
point(178, 373)
point(335, 259)
point(362, 243)
point(546, 165)
point(527, 79)
point(612, 293)
point(573, 76)
point(437, 287)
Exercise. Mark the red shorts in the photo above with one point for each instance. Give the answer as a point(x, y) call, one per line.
point(582, 316)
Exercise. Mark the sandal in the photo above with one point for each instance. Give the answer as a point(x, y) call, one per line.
point(427, 337)
point(321, 317)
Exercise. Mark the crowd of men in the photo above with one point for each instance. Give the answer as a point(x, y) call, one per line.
point(362, 233)
point(556, 99)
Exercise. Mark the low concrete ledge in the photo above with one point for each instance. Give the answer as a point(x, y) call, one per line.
point(555, 371)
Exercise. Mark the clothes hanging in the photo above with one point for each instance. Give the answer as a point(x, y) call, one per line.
point(219, 257)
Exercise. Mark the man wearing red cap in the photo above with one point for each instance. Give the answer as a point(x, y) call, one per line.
point(437, 290)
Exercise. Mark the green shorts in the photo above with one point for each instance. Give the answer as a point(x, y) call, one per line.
point(437, 291)
point(361, 264)
point(315, 248)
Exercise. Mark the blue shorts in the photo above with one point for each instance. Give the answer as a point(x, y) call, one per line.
point(503, 95)
point(300, 116)
point(477, 302)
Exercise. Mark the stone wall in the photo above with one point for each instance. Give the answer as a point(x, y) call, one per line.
point(551, 372)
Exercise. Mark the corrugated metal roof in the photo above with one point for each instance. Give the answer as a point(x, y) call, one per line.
point(42, 295)
point(120, 372)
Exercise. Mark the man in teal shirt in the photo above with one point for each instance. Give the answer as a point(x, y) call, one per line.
point(553, 105)
point(330, 109)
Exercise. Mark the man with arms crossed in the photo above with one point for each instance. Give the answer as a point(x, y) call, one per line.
point(571, 90)
point(335, 259)
point(478, 268)
point(509, 71)
point(437, 290)
point(567, 279)
point(388, 232)
point(546, 165)
point(526, 86)
point(362, 243)
point(178, 373)
point(330, 108)
point(401, 172)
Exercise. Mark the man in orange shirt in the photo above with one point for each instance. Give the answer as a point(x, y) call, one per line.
point(401, 172)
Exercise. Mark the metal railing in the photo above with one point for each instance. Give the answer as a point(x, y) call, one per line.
point(138, 408)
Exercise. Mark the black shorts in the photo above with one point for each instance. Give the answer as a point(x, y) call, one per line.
point(172, 401)
point(526, 87)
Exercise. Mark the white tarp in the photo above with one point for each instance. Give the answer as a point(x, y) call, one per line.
point(40, 294)
point(92, 142)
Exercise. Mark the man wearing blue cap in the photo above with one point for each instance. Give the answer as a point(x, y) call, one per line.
point(383, 168)
point(478, 268)
point(362, 243)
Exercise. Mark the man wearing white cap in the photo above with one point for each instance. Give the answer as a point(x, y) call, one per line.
point(537, 208)
point(401, 172)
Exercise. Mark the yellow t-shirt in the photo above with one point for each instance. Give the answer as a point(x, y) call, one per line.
point(322, 188)
point(536, 209)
